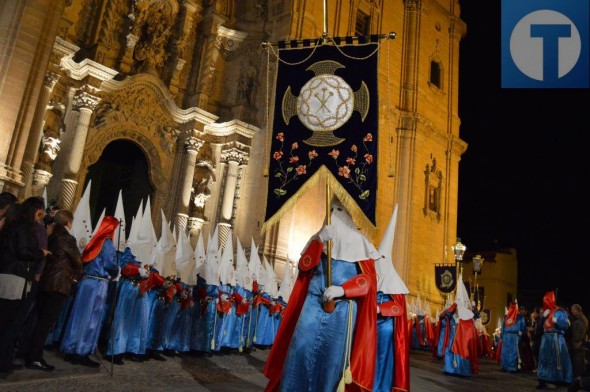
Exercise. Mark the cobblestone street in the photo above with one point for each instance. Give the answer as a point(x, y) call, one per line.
point(233, 372)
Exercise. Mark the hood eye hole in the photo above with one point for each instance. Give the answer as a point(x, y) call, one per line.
point(339, 209)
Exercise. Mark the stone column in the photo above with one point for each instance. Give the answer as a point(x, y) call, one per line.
point(32, 147)
point(85, 104)
point(192, 146)
point(233, 158)
point(42, 172)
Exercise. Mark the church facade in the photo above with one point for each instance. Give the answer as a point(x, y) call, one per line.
point(171, 99)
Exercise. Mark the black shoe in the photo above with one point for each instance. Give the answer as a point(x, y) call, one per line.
point(70, 358)
point(542, 385)
point(156, 356)
point(170, 353)
point(117, 359)
point(134, 357)
point(39, 365)
point(85, 361)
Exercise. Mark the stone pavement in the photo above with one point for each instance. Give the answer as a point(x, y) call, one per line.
point(234, 372)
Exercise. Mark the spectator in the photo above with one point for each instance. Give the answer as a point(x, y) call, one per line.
point(18, 261)
point(7, 200)
point(536, 332)
point(63, 269)
point(578, 327)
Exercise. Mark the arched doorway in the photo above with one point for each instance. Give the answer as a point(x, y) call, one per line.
point(122, 166)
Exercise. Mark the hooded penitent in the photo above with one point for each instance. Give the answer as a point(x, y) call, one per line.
point(388, 280)
point(106, 230)
point(348, 243)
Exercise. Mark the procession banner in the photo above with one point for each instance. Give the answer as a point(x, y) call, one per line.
point(445, 277)
point(325, 126)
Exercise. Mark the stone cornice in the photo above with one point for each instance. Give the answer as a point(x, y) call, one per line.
point(85, 68)
point(160, 90)
point(64, 48)
point(231, 127)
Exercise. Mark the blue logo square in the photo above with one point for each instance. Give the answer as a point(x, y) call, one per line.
point(545, 44)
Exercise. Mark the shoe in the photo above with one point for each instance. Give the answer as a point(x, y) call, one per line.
point(70, 358)
point(117, 359)
point(39, 365)
point(170, 353)
point(85, 361)
point(156, 356)
point(541, 386)
point(134, 357)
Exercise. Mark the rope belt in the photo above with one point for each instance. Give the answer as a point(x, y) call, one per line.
point(96, 277)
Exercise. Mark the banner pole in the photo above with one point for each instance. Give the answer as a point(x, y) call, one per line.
point(329, 305)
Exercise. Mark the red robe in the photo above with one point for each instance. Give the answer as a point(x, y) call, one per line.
point(401, 345)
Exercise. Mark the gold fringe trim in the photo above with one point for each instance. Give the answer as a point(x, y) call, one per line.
point(363, 223)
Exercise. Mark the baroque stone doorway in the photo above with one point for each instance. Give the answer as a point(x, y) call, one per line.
point(122, 166)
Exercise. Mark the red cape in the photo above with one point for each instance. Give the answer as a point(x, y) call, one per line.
point(364, 352)
point(401, 380)
point(465, 343)
point(106, 230)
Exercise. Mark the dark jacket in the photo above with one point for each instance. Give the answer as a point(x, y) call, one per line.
point(63, 265)
point(19, 250)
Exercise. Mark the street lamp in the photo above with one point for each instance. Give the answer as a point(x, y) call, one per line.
point(458, 250)
point(477, 264)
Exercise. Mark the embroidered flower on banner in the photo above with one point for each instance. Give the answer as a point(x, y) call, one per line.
point(290, 168)
point(355, 168)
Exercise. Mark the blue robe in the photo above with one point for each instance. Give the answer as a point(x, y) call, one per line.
point(511, 337)
point(385, 351)
point(178, 325)
point(265, 325)
point(155, 304)
point(453, 363)
point(85, 322)
point(419, 323)
point(238, 335)
point(554, 361)
point(205, 321)
point(130, 322)
point(444, 321)
point(228, 323)
point(316, 357)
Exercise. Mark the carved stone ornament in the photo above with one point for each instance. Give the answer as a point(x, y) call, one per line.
point(51, 146)
point(51, 79)
point(41, 178)
point(192, 143)
point(235, 155)
point(83, 100)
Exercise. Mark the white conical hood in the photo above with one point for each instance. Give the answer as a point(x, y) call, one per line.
point(120, 234)
point(200, 254)
point(286, 283)
point(348, 243)
point(99, 221)
point(242, 272)
point(419, 310)
point(164, 255)
point(82, 225)
point(254, 262)
point(134, 230)
point(143, 241)
point(270, 282)
point(226, 264)
point(185, 260)
point(210, 269)
point(462, 300)
point(388, 280)
point(147, 227)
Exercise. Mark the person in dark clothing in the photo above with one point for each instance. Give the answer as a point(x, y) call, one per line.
point(62, 269)
point(7, 200)
point(19, 259)
point(27, 317)
point(579, 327)
point(536, 332)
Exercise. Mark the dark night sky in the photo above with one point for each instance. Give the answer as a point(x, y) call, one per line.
point(523, 177)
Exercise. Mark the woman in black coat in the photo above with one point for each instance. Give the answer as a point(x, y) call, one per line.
point(62, 270)
point(19, 257)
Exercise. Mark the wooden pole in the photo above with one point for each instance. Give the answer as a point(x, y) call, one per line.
point(329, 305)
